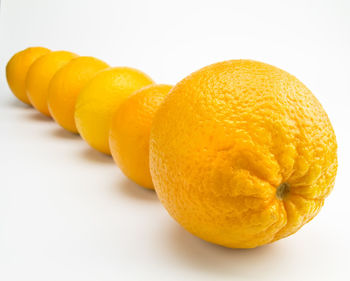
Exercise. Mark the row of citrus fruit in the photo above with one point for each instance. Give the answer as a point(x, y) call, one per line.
point(82, 95)
point(240, 152)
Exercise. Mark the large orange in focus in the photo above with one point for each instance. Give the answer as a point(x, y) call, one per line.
point(242, 154)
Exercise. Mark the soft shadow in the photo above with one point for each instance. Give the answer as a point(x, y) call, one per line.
point(91, 154)
point(134, 191)
point(15, 103)
point(220, 261)
point(64, 134)
point(37, 116)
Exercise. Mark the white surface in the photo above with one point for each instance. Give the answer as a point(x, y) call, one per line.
point(67, 212)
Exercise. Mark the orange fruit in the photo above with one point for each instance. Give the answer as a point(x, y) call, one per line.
point(242, 154)
point(100, 99)
point(65, 86)
point(39, 75)
point(130, 130)
point(17, 68)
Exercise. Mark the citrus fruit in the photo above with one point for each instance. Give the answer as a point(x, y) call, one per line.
point(100, 99)
point(242, 154)
point(17, 68)
point(66, 85)
point(39, 75)
point(130, 130)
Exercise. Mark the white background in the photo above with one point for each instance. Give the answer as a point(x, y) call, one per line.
point(67, 212)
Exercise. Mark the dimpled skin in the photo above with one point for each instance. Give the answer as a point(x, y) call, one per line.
point(65, 86)
point(40, 74)
point(101, 98)
point(242, 154)
point(17, 68)
point(130, 131)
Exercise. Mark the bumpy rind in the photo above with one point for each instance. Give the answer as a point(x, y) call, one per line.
point(223, 141)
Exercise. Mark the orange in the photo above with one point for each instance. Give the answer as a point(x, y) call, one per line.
point(65, 86)
point(39, 75)
point(242, 154)
point(130, 130)
point(17, 68)
point(101, 98)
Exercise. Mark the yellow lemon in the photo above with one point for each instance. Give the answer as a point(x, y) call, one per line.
point(40, 74)
point(65, 86)
point(17, 68)
point(242, 154)
point(100, 99)
point(130, 131)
